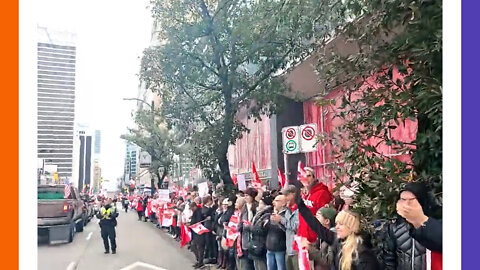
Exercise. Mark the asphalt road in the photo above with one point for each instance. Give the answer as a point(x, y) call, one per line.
point(140, 246)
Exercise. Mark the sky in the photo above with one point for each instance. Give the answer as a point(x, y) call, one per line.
point(110, 38)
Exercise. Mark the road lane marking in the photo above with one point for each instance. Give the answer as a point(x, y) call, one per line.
point(142, 264)
point(89, 235)
point(72, 266)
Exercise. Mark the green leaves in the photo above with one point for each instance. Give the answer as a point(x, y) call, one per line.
point(394, 34)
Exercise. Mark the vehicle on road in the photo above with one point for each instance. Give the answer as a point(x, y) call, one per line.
point(88, 206)
point(58, 218)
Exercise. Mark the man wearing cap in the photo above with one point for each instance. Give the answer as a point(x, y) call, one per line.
point(290, 222)
point(108, 220)
point(322, 253)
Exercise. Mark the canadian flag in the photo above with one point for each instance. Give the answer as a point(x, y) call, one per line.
point(234, 179)
point(198, 228)
point(303, 259)
point(301, 172)
point(167, 218)
point(256, 182)
point(185, 235)
point(232, 235)
point(281, 178)
point(256, 178)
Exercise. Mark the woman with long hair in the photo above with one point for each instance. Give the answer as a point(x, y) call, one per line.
point(351, 252)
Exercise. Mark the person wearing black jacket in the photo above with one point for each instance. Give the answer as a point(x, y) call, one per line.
point(257, 233)
point(276, 238)
point(198, 240)
point(425, 229)
point(208, 212)
point(108, 220)
point(350, 250)
point(402, 250)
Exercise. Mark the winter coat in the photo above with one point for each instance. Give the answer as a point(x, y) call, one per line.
point(208, 212)
point(290, 222)
point(429, 235)
point(108, 216)
point(401, 250)
point(140, 207)
point(322, 254)
point(243, 221)
point(257, 234)
point(365, 260)
point(317, 197)
point(276, 239)
point(223, 217)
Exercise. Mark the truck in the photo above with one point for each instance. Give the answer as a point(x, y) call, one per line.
point(58, 218)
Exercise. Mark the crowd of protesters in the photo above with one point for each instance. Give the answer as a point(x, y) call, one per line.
point(301, 226)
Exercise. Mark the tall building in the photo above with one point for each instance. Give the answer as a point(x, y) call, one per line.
point(131, 161)
point(83, 157)
point(56, 99)
point(98, 141)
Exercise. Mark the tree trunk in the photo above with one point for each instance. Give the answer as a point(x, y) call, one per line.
point(161, 177)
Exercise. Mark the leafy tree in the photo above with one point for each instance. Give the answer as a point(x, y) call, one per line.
point(390, 34)
point(152, 136)
point(217, 56)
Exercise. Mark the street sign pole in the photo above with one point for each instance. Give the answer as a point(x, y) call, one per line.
point(285, 164)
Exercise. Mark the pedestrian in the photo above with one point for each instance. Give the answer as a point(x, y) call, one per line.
point(316, 197)
point(223, 218)
point(290, 222)
point(125, 203)
point(108, 220)
point(140, 208)
point(401, 250)
point(248, 212)
point(351, 250)
point(208, 212)
point(144, 205)
point(198, 240)
point(257, 231)
point(276, 238)
point(322, 252)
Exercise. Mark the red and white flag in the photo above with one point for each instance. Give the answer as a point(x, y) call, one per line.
point(185, 235)
point(281, 178)
point(198, 228)
point(234, 179)
point(303, 259)
point(167, 220)
point(256, 182)
point(301, 173)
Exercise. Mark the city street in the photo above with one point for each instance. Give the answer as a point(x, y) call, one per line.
point(140, 246)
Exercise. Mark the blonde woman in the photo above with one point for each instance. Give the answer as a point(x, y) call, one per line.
point(350, 251)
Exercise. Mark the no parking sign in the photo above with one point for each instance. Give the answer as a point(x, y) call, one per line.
point(308, 141)
point(291, 140)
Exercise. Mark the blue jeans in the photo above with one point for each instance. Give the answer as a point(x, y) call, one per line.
point(276, 260)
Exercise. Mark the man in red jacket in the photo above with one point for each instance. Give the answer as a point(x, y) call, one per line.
point(317, 197)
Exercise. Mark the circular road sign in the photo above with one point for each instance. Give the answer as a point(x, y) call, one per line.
point(291, 146)
point(308, 133)
point(290, 133)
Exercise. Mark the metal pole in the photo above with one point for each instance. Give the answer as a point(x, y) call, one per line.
point(285, 164)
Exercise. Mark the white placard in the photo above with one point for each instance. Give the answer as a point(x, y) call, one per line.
point(308, 138)
point(164, 195)
point(241, 182)
point(203, 189)
point(291, 140)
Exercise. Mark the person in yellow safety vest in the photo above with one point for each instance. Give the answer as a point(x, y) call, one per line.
point(108, 220)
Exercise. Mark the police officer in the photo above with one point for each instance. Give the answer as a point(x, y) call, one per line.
point(108, 220)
